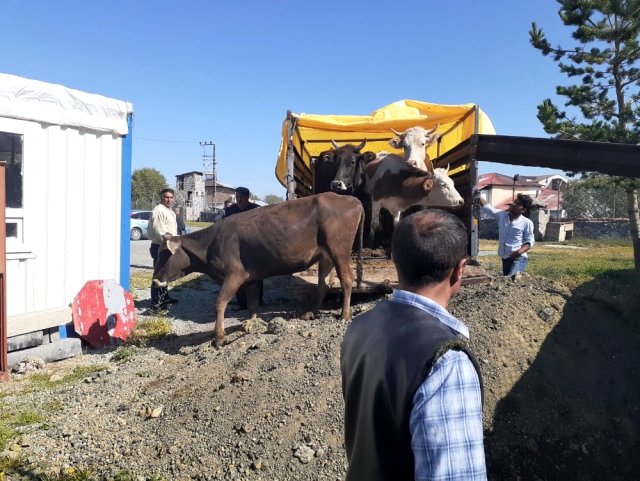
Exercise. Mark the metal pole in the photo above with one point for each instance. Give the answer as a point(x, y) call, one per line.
point(205, 164)
point(4, 367)
point(291, 184)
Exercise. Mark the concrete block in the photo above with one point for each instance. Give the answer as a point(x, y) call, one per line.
point(24, 341)
point(54, 351)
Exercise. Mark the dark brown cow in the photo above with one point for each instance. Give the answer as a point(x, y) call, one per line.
point(329, 162)
point(275, 240)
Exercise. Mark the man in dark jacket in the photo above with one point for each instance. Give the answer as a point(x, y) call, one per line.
point(182, 228)
point(412, 391)
point(242, 205)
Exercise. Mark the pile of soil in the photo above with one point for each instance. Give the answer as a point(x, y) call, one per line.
point(562, 392)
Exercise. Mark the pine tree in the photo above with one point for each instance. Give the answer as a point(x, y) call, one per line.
point(606, 94)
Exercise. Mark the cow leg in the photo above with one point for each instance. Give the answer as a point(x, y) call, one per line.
point(325, 268)
point(253, 298)
point(229, 287)
point(375, 220)
point(345, 274)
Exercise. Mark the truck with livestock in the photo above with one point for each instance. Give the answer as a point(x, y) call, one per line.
point(455, 138)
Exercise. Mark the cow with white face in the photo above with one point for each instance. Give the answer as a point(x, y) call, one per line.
point(414, 142)
point(393, 184)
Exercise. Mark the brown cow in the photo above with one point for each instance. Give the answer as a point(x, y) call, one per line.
point(275, 240)
point(393, 184)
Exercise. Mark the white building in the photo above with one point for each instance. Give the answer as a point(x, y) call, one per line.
point(68, 191)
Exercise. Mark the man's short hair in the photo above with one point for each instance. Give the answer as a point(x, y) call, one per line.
point(427, 246)
point(164, 191)
point(524, 200)
point(242, 190)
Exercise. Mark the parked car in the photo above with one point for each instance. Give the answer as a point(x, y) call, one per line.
point(139, 222)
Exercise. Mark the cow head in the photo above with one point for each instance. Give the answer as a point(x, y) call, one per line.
point(172, 263)
point(441, 190)
point(349, 160)
point(414, 142)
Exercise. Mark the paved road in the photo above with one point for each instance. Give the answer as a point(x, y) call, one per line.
point(140, 256)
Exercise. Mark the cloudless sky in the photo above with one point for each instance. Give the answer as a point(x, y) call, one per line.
point(227, 71)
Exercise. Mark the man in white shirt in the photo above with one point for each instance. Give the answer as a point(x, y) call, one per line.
point(515, 234)
point(163, 221)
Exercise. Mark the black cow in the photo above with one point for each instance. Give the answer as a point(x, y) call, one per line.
point(331, 162)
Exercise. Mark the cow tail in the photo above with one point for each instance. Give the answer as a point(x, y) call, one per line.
point(360, 236)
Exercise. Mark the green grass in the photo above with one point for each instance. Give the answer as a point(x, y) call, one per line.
point(141, 279)
point(602, 270)
point(12, 417)
point(42, 381)
point(152, 329)
point(198, 224)
point(124, 354)
point(608, 258)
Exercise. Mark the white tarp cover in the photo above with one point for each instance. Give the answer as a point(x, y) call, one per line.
point(27, 99)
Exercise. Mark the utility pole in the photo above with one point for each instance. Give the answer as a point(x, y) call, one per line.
point(209, 168)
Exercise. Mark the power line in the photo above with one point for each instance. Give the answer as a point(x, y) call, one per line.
point(167, 141)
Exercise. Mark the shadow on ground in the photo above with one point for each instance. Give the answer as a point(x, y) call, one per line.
point(575, 413)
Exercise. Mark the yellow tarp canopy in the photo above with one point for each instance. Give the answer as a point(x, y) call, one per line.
point(313, 133)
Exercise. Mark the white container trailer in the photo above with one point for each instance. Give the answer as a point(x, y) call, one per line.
point(68, 194)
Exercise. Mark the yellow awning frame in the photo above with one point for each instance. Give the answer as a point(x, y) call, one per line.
point(310, 134)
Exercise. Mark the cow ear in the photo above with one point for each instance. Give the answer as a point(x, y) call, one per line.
point(427, 185)
point(173, 244)
point(368, 156)
point(396, 143)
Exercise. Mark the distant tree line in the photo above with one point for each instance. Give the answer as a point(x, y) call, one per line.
point(146, 184)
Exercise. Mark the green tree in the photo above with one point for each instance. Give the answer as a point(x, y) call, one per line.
point(606, 92)
point(273, 199)
point(146, 185)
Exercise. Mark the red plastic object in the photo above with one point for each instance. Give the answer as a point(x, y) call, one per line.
point(103, 313)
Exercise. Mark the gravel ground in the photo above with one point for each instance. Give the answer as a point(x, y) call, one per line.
point(562, 392)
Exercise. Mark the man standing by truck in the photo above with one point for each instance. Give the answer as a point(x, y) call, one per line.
point(515, 234)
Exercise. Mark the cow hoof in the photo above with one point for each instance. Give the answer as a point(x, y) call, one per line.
point(307, 316)
point(218, 342)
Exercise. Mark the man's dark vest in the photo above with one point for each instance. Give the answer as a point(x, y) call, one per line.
point(386, 355)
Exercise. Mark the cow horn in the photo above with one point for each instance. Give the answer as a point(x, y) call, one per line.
point(399, 134)
point(433, 129)
point(335, 146)
point(362, 144)
point(447, 171)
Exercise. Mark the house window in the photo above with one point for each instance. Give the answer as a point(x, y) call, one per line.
point(11, 153)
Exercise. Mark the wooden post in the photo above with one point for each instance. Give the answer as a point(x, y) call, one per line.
point(4, 368)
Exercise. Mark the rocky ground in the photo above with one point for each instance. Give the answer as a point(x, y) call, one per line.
point(562, 392)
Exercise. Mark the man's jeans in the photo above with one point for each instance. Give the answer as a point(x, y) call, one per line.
point(511, 266)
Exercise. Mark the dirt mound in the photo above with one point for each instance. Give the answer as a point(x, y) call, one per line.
point(560, 377)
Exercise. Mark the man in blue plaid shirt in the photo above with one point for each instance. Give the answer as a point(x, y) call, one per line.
point(412, 390)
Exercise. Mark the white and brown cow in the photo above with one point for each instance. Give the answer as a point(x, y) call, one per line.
point(414, 142)
point(393, 184)
point(275, 240)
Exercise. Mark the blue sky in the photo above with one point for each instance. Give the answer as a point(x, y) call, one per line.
point(228, 71)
